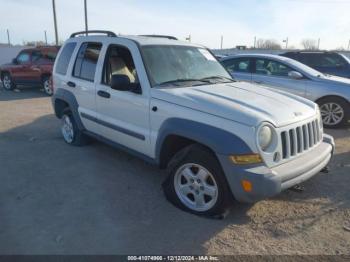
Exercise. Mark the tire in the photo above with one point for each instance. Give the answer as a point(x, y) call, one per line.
point(71, 133)
point(335, 112)
point(46, 84)
point(7, 82)
point(196, 182)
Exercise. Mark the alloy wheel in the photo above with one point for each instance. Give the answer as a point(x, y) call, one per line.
point(67, 129)
point(196, 187)
point(7, 82)
point(332, 113)
point(47, 87)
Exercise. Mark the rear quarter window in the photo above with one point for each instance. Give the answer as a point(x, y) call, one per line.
point(64, 58)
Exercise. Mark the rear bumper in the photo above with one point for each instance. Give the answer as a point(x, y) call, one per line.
point(267, 182)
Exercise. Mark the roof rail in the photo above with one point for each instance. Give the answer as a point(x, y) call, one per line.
point(108, 33)
point(162, 36)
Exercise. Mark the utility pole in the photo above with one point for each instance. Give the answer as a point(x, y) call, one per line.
point(8, 37)
point(318, 44)
point(222, 40)
point(45, 37)
point(254, 42)
point(188, 38)
point(55, 20)
point(86, 19)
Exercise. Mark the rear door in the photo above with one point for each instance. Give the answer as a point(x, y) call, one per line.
point(82, 82)
point(239, 68)
point(271, 73)
point(124, 115)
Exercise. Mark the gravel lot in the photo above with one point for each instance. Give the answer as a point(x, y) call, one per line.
point(59, 199)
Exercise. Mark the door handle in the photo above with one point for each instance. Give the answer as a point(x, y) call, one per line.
point(71, 84)
point(258, 82)
point(104, 94)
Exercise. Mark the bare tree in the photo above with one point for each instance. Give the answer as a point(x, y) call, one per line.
point(267, 44)
point(309, 44)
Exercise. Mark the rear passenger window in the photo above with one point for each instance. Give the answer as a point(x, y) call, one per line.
point(64, 58)
point(85, 64)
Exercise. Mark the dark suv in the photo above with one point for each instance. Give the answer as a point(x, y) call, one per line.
point(326, 62)
point(32, 67)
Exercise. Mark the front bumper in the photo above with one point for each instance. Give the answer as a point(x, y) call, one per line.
point(267, 182)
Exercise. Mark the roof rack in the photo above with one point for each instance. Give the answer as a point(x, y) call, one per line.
point(108, 33)
point(162, 36)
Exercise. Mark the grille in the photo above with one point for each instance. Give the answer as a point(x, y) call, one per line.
point(299, 139)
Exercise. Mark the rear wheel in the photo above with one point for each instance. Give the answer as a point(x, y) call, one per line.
point(46, 83)
point(7, 82)
point(196, 182)
point(71, 133)
point(335, 112)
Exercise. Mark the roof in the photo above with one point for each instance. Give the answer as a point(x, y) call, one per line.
point(258, 55)
point(141, 40)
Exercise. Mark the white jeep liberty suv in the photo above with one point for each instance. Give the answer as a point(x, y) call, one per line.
point(173, 104)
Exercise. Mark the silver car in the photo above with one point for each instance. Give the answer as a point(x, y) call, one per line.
point(331, 93)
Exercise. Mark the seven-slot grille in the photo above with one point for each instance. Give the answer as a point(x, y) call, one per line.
point(300, 139)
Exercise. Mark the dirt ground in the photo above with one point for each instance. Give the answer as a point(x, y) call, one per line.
point(59, 199)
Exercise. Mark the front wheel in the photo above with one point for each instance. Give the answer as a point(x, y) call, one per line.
point(196, 182)
point(335, 112)
point(7, 82)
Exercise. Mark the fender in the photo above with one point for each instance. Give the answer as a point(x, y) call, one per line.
point(219, 140)
point(70, 99)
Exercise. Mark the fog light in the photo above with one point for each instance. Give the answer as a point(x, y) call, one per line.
point(247, 185)
point(246, 159)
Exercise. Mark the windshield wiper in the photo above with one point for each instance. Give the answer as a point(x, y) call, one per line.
point(227, 79)
point(182, 80)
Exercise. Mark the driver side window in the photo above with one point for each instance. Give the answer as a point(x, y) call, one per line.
point(23, 58)
point(119, 61)
point(271, 68)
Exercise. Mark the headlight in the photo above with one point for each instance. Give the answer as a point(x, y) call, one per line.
point(265, 137)
point(319, 116)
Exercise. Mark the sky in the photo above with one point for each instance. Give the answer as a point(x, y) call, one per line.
point(238, 21)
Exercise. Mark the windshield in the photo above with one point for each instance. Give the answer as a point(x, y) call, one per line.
point(182, 65)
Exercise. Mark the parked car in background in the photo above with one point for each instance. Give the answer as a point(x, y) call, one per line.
point(332, 93)
point(173, 104)
point(32, 66)
point(331, 63)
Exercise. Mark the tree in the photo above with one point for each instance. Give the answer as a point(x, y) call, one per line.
point(309, 44)
point(267, 44)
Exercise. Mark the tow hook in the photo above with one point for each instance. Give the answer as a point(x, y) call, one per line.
point(325, 170)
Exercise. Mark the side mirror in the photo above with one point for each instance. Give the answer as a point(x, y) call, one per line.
point(295, 75)
point(122, 83)
point(14, 61)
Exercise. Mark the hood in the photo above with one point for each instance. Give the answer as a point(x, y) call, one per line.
point(335, 80)
point(3, 66)
point(242, 102)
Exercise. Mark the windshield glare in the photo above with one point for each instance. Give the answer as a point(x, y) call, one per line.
point(171, 63)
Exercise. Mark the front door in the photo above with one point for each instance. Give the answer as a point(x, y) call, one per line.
point(124, 115)
point(22, 71)
point(274, 74)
